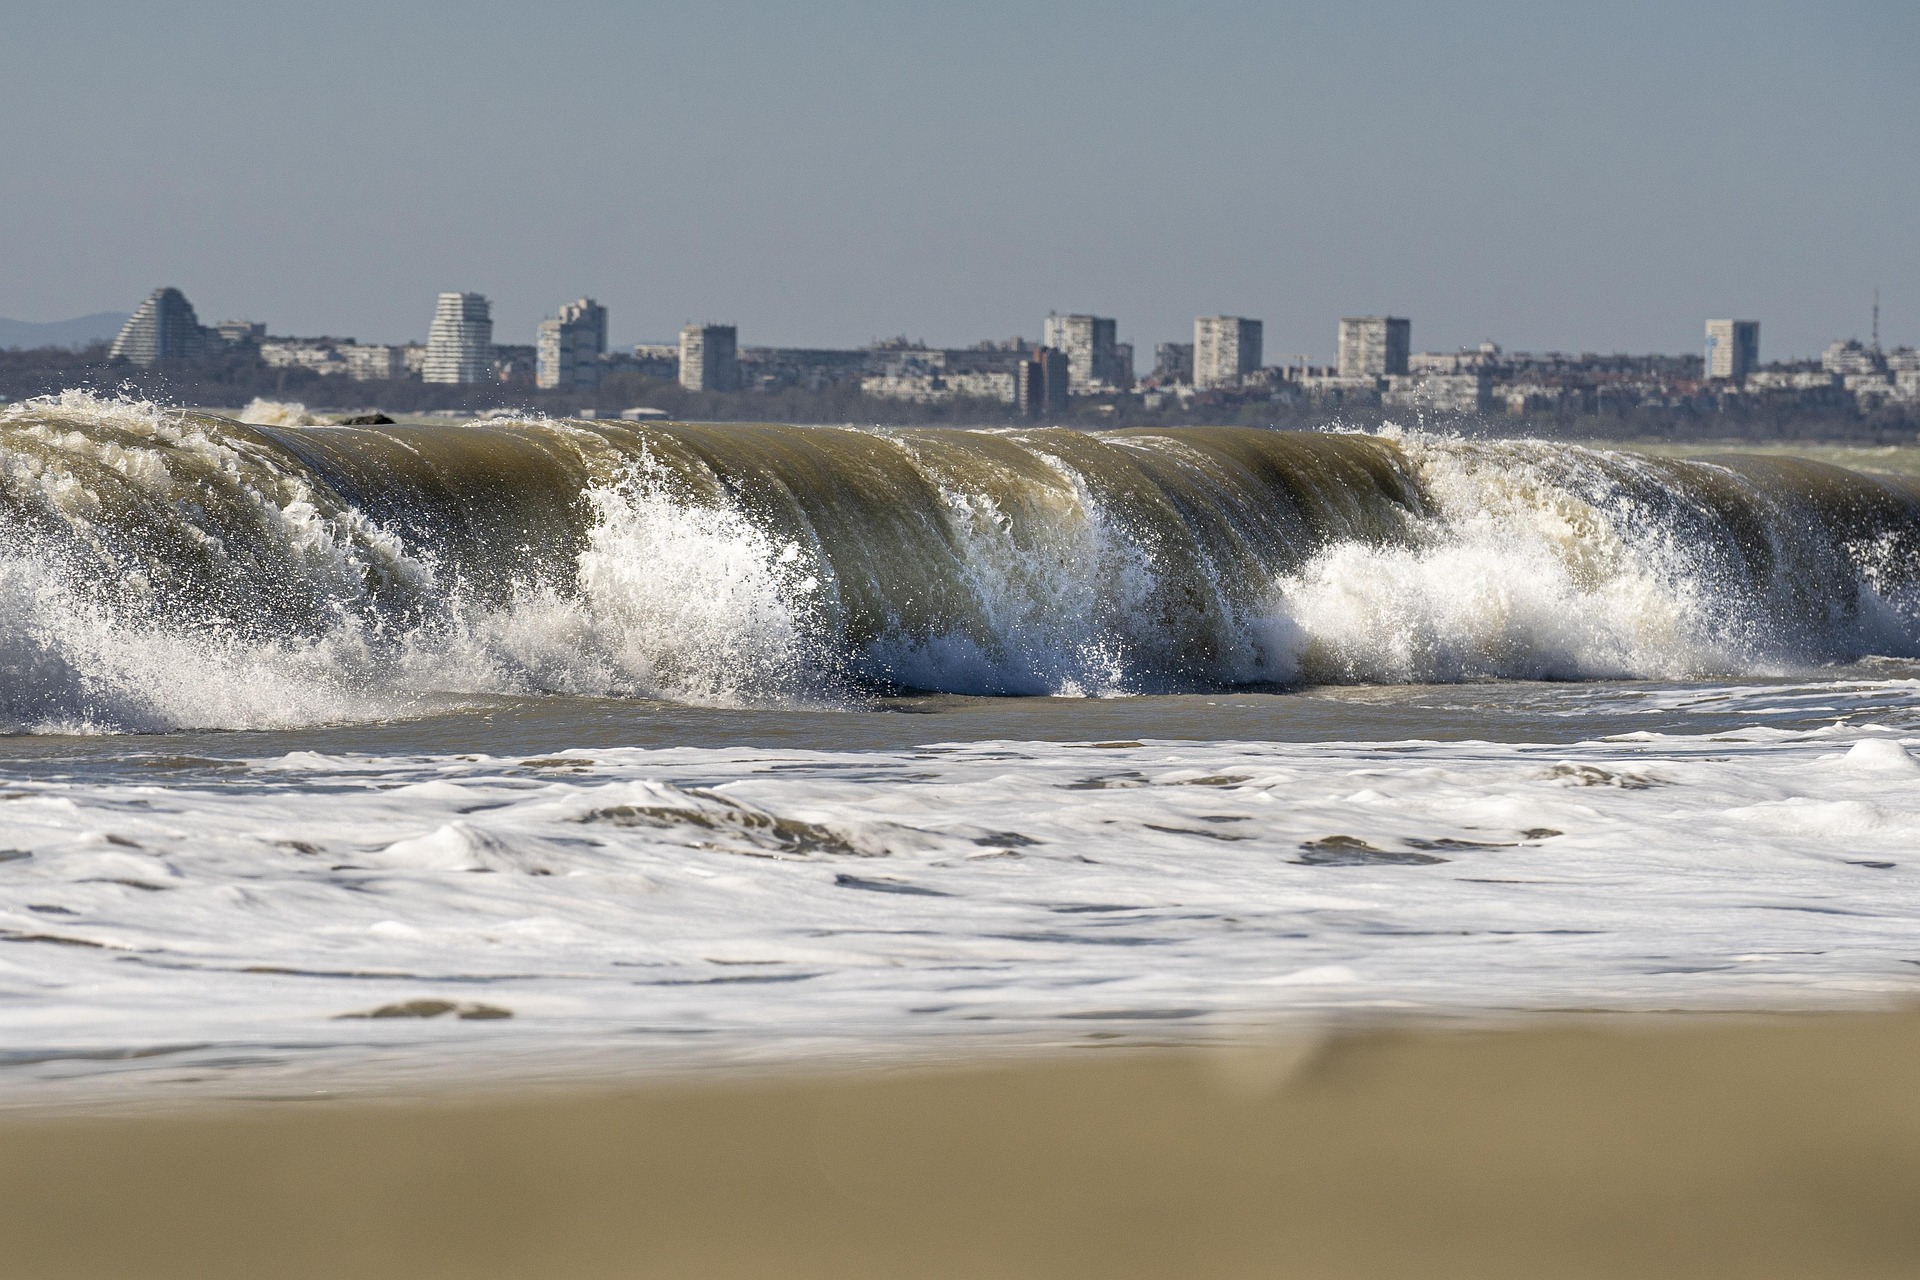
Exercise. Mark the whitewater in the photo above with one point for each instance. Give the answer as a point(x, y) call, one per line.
point(343, 752)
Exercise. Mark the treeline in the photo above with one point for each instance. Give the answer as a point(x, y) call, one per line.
point(230, 380)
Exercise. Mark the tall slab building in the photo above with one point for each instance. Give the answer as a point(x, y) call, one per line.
point(164, 327)
point(1093, 357)
point(710, 357)
point(1173, 362)
point(1374, 346)
point(460, 340)
point(1225, 350)
point(1733, 348)
point(570, 346)
point(1042, 382)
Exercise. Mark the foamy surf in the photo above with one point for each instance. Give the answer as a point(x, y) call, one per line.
point(726, 904)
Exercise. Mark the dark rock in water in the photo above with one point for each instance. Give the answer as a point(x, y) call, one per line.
point(1351, 851)
point(433, 1009)
point(365, 420)
point(483, 1012)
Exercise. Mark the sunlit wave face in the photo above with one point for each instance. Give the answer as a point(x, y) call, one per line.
point(164, 569)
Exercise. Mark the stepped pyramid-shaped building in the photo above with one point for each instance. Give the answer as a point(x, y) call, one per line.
point(164, 328)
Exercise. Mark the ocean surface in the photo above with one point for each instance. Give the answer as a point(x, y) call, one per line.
point(347, 756)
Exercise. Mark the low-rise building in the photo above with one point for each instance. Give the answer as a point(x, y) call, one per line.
point(374, 362)
point(809, 368)
point(1440, 392)
point(1036, 381)
point(1852, 357)
point(1869, 382)
point(1336, 389)
point(1521, 398)
point(1765, 380)
point(654, 360)
point(336, 357)
point(237, 333)
point(919, 388)
point(1483, 358)
point(999, 387)
point(515, 364)
point(322, 355)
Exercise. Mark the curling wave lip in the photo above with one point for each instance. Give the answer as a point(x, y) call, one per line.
point(164, 569)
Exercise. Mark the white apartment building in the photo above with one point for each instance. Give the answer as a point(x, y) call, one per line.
point(1374, 346)
point(571, 345)
point(460, 340)
point(1733, 348)
point(1093, 355)
point(710, 357)
point(1225, 350)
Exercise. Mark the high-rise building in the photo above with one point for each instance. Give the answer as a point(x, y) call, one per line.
point(1733, 348)
point(1172, 362)
point(709, 357)
point(460, 341)
point(1225, 349)
point(1044, 380)
point(1374, 346)
point(571, 345)
point(1093, 362)
point(163, 328)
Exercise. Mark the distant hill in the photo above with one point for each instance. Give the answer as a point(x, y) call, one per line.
point(101, 326)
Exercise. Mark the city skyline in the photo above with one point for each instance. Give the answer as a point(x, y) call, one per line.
point(1078, 356)
point(1580, 180)
point(1088, 340)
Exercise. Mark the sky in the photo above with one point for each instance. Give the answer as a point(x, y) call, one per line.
point(1602, 176)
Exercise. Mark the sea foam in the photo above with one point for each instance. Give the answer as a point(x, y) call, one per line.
point(167, 570)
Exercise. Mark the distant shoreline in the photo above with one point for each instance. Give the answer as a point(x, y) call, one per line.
point(237, 379)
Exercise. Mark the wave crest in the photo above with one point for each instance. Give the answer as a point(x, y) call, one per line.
point(166, 570)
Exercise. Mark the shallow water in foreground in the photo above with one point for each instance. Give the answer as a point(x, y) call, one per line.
point(669, 887)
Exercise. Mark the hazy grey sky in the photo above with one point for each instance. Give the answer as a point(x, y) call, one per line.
point(1596, 176)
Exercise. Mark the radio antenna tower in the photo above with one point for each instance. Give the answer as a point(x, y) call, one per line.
point(1876, 317)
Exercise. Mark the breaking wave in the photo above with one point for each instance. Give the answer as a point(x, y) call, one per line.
point(162, 569)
